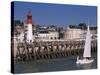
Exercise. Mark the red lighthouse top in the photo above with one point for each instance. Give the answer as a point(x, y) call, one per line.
point(29, 18)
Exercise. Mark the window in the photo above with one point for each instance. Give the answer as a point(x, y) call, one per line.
point(51, 38)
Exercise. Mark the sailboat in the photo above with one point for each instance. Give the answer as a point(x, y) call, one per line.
point(87, 50)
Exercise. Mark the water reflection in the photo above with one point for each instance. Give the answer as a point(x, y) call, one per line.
point(84, 66)
point(87, 66)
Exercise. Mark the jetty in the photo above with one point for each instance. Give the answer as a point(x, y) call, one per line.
point(23, 51)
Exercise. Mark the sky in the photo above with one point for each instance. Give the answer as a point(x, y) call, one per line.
point(56, 14)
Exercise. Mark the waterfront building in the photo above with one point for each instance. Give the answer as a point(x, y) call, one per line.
point(73, 33)
point(47, 36)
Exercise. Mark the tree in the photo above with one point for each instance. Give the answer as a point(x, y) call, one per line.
point(82, 25)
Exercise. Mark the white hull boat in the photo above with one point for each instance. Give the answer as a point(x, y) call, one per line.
point(84, 61)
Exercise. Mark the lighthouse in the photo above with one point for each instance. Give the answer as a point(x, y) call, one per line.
point(29, 36)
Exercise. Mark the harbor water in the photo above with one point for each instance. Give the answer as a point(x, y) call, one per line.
point(58, 64)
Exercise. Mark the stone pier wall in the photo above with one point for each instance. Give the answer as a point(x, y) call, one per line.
point(47, 49)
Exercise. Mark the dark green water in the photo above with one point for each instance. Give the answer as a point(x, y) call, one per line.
point(58, 64)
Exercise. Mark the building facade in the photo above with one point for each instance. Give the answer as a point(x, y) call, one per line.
point(78, 33)
point(73, 33)
point(47, 36)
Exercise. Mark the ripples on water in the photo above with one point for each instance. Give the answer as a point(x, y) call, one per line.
point(58, 64)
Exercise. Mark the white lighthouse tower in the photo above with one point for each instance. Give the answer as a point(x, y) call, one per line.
point(29, 36)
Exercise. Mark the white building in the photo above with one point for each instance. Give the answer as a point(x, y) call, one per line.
point(78, 34)
point(73, 33)
point(47, 36)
